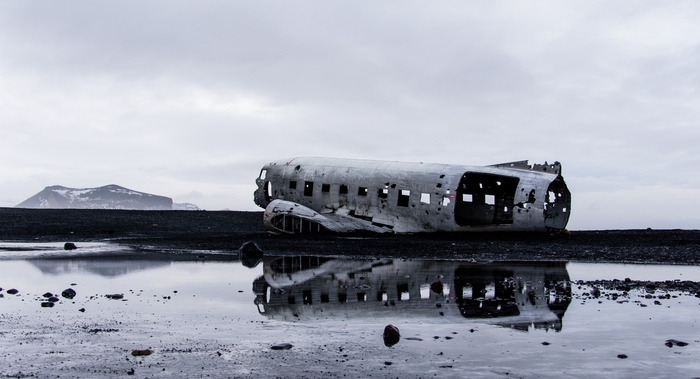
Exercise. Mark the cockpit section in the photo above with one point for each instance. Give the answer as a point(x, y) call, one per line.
point(557, 206)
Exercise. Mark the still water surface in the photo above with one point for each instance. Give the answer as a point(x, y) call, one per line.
point(456, 318)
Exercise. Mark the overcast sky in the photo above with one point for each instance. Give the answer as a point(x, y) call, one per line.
point(190, 99)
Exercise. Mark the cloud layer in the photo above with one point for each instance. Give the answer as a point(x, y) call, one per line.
point(190, 100)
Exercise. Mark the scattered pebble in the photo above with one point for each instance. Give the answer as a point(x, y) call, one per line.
point(672, 343)
point(282, 346)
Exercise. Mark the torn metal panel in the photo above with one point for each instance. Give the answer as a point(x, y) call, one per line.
point(314, 195)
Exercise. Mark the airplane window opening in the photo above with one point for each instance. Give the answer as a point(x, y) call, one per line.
point(362, 191)
point(292, 184)
point(342, 298)
point(325, 298)
point(308, 188)
point(383, 193)
point(490, 199)
point(425, 291)
point(306, 296)
point(467, 291)
point(291, 299)
point(343, 189)
point(402, 290)
point(425, 198)
point(325, 188)
point(467, 197)
point(361, 297)
point(263, 174)
point(404, 196)
point(445, 201)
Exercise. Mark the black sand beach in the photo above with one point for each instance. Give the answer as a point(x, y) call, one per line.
point(226, 231)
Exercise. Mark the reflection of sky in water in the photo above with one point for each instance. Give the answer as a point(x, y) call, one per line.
point(216, 301)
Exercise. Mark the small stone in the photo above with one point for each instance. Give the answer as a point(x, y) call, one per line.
point(282, 346)
point(69, 246)
point(81, 310)
point(387, 363)
point(672, 342)
point(137, 353)
point(545, 343)
point(115, 296)
point(47, 295)
point(12, 291)
point(46, 304)
point(622, 356)
point(53, 299)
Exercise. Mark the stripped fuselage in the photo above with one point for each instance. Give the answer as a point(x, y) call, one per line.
point(346, 195)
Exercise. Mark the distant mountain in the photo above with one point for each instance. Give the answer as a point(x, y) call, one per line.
point(185, 207)
point(107, 197)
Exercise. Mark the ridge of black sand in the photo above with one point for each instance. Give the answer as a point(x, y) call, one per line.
point(226, 231)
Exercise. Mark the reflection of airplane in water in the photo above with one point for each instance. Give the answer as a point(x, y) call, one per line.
point(517, 295)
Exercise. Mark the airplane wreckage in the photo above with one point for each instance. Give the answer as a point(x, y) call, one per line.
point(311, 195)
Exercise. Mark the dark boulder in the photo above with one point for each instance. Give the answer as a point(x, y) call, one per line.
point(47, 295)
point(251, 254)
point(391, 335)
point(115, 296)
point(53, 299)
point(46, 304)
point(137, 353)
point(69, 246)
point(68, 293)
point(12, 291)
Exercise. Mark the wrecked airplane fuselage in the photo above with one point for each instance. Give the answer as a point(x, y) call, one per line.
point(307, 195)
